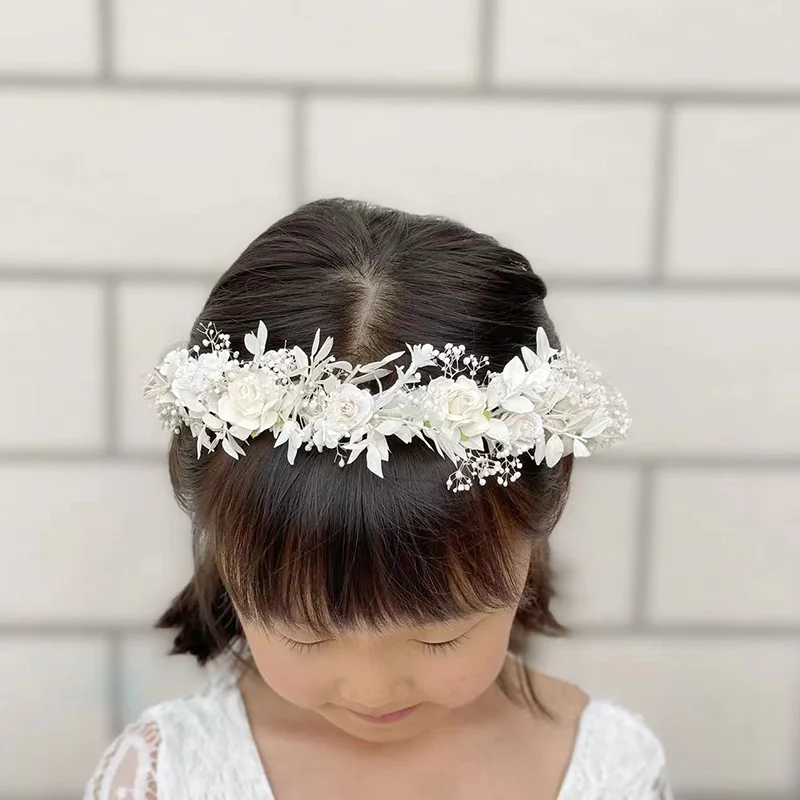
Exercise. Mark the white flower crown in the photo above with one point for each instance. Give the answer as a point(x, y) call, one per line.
point(550, 402)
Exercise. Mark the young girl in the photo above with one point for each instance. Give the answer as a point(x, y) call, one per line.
point(374, 428)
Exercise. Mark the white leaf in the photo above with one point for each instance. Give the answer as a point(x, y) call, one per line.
point(378, 373)
point(373, 365)
point(226, 446)
point(514, 373)
point(553, 450)
point(300, 357)
point(374, 461)
point(405, 434)
point(268, 418)
point(251, 343)
point(580, 449)
point(294, 446)
point(262, 337)
point(285, 432)
point(532, 361)
point(518, 404)
point(389, 427)
point(325, 350)
point(595, 428)
point(315, 346)
point(498, 430)
point(543, 349)
point(239, 432)
point(236, 446)
point(356, 450)
point(215, 423)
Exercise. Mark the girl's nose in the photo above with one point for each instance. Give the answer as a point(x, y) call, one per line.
point(374, 691)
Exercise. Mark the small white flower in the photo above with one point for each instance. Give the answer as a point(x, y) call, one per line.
point(525, 431)
point(172, 361)
point(347, 409)
point(249, 394)
point(193, 376)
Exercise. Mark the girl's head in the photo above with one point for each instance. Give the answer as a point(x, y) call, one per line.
point(355, 593)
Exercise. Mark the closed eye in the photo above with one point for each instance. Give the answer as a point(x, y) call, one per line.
point(302, 647)
point(443, 647)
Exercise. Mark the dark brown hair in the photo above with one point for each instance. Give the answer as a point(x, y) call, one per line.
point(335, 546)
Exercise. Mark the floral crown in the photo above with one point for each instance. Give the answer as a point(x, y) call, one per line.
point(547, 403)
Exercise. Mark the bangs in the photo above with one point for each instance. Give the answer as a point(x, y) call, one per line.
point(337, 549)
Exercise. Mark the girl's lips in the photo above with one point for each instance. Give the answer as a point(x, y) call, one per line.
point(395, 716)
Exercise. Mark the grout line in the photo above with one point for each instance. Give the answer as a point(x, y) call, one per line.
point(721, 462)
point(105, 42)
point(49, 272)
point(187, 274)
point(60, 458)
point(68, 628)
point(643, 546)
point(662, 192)
point(116, 712)
point(300, 150)
point(689, 630)
point(370, 90)
point(487, 25)
point(111, 344)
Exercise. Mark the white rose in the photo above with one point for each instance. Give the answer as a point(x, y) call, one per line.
point(525, 430)
point(348, 408)
point(193, 376)
point(461, 402)
point(248, 395)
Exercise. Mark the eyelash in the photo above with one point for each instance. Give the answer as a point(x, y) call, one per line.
point(303, 647)
point(435, 648)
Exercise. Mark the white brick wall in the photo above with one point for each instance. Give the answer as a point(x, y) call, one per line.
point(644, 155)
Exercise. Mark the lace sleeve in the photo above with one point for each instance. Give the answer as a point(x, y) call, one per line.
point(127, 770)
point(661, 789)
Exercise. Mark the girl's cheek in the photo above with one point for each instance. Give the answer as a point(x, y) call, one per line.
point(290, 679)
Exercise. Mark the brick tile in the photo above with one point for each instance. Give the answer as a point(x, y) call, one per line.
point(690, 366)
point(94, 543)
point(566, 184)
point(41, 36)
point(726, 547)
point(53, 695)
point(662, 43)
point(726, 710)
point(139, 180)
point(594, 546)
point(735, 193)
point(311, 40)
point(54, 351)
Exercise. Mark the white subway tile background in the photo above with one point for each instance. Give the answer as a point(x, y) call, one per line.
point(645, 156)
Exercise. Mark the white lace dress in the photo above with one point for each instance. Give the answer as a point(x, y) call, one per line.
point(202, 747)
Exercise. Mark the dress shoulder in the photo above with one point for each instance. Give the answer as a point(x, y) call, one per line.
point(195, 746)
point(616, 756)
point(128, 769)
